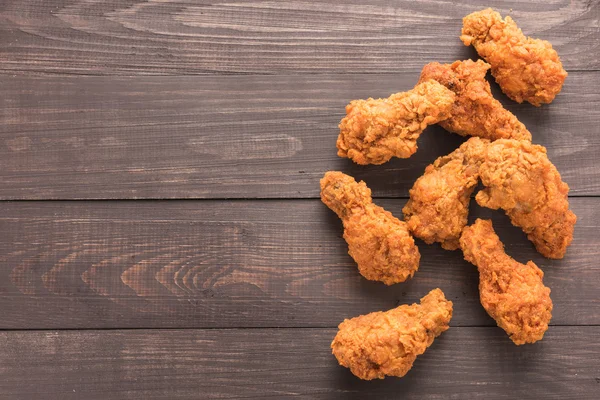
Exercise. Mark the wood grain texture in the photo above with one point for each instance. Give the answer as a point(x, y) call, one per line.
point(204, 264)
point(224, 99)
point(267, 37)
point(236, 137)
point(473, 363)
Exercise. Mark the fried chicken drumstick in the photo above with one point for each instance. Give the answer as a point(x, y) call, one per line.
point(380, 244)
point(475, 112)
point(387, 343)
point(512, 293)
point(374, 131)
point(521, 180)
point(526, 69)
point(439, 200)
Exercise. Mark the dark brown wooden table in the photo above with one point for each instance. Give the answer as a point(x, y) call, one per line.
point(161, 235)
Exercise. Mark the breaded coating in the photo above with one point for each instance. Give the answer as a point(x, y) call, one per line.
point(379, 243)
point(387, 343)
point(475, 112)
point(512, 293)
point(521, 180)
point(374, 131)
point(526, 69)
point(439, 200)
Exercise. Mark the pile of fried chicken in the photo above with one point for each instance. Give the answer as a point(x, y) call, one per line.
point(516, 175)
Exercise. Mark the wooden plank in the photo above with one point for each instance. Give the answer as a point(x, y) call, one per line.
point(474, 363)
point(265, 37)
point(235, 137)
point(204, 264)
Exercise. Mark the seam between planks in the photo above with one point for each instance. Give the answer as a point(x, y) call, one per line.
point(249, 328)
point(214, 199)
point(21, 72)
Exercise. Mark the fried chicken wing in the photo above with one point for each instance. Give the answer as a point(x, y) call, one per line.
point(512, 293)
point(521, 180)
point(387, 343)
point(475, 112)
point(525, 68)
point(439, 200)
point(374, 131)
point(379, 243)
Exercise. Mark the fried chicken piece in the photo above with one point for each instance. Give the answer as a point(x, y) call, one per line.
point(512, 293)
point(379, 243)
point(439, 200)
point(387, 343)
point(525, 68)
point(374, 131)
point(521, 180)
point(475, 112)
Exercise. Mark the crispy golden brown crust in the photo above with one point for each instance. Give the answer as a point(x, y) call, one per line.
point(475, 112)
point(525, 68)
point(521, 180)
point(512, 293)
point(439, 200)
point(387, 343)
point(374, 131)
point(379, 243)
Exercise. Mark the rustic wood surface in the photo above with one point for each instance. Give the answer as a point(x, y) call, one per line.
point(266, 263)
point(176, 37)
point(161, 235)
point(236, 136)
point(474, 363)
